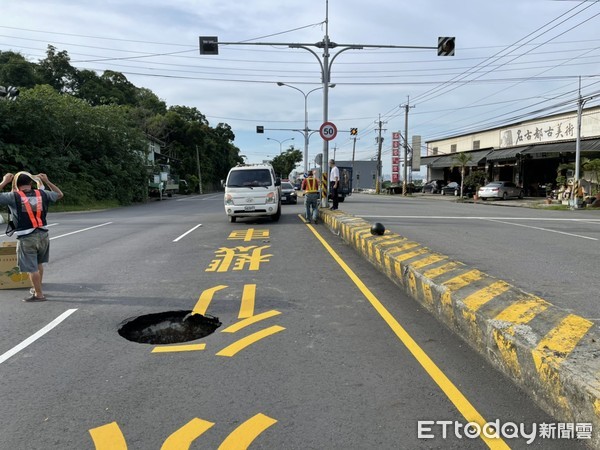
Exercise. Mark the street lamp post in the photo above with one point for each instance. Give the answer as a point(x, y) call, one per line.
point(306, 130)
point(280, 142)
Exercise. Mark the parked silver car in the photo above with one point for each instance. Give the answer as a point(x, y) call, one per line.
point(500, 189)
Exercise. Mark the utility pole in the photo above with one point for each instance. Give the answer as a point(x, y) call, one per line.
point(334, 150)
point(405, 172)
point(580, 103)
point(379, 145)
point(353, 152)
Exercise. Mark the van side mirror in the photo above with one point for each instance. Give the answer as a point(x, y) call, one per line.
point(222, 183)
point(277, 181)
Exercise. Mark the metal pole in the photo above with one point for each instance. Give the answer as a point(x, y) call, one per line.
point(379, 145)
point(578, 140)
point(353, 152)
point(405, 172)
point(306, 132)
point(280, 142)
point(325, 74)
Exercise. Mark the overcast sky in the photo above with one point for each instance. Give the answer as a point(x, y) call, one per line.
point(515, 60)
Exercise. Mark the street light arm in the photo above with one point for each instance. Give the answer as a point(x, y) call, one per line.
point(310, 50)
point(353, 47)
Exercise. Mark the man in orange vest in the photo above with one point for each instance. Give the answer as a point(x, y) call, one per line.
point(28, 208)
point(310, 186)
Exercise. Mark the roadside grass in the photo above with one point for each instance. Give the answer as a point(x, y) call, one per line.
point(91, 206)
point(552, 207)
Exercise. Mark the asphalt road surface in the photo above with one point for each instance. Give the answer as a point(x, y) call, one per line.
point(317, 350)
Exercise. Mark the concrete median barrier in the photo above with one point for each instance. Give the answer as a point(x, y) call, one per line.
point(552, 354)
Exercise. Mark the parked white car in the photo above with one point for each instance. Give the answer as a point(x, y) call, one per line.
point(500, 189)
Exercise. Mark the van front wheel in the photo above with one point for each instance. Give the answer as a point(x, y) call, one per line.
point(275, 217)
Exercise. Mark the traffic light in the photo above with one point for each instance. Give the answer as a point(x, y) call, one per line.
point(209, 45)
point(353, 131)
point(10, 93)
point(446, 46)
point(260, 129)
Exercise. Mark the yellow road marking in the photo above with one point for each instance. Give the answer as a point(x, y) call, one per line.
point(401, 248)
point(184, 437)
point(522, 312)
point(108, 437)
point(427, 261)
point(249, 321)
point(391, 242)
point(463, 280)
point(477, 299)
point(438, 271)
point(463, 405)
point(243, 436)
point(405, 256)
point(205, 299)
point(554, 348)
point(240, 345)
point(559, 342)
point(247, 306)
point(179, 348)
point(519, 313)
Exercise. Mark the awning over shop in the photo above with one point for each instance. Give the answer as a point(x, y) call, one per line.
point(491, 155)
point(450, 160)
point(589, 145)
point(507, 153)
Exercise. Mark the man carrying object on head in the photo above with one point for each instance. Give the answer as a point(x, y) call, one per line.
point(28, 208)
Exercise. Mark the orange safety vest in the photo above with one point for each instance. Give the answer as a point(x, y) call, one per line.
point(312, 185)
point(34, 218)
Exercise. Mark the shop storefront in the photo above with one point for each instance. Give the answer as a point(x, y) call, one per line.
point(531, 154)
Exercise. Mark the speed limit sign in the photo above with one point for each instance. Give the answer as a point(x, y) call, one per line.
point(328, 131)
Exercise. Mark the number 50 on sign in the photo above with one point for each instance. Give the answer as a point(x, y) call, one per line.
point(328, 131)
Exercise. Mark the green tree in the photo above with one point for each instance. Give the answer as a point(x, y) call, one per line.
point(463, 161)
point(93, 153)
point(284, 163)
point(56, 70)
point(91, 131)
point(476, 179)
point(593, 165)
point(15, 70)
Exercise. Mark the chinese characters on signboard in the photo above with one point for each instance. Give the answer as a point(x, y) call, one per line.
point(538, 133)
point(395, 157)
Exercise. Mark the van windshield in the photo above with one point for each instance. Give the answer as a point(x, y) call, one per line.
point(249, 178)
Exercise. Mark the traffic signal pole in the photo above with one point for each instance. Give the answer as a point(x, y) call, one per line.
point(209, 46)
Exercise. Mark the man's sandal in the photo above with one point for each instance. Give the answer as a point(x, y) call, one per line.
point(33, 298)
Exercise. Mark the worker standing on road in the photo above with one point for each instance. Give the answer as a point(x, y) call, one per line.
point(310, 186)
point(28, 208)
point(334, 181)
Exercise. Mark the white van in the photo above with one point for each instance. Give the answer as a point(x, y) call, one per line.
point(252, 190)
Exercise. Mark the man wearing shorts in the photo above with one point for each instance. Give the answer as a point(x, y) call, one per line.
point(28, 208)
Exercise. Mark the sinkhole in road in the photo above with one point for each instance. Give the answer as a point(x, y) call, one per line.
point(170, 327)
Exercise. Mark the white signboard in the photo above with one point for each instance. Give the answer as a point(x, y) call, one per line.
point(539, 132)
